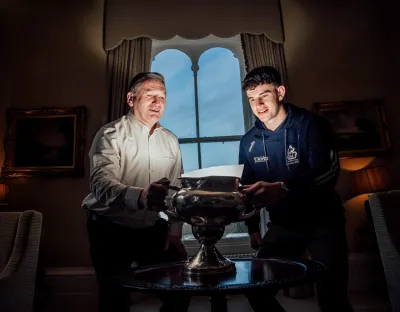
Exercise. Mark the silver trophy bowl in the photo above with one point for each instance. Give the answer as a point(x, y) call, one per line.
point(209, 204)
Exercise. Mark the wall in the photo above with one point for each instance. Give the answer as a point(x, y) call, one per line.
point(334, 51)
point(392, 36)
point(339, 50)
point(57, 60)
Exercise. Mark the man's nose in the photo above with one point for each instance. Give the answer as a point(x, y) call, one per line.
point(259, 102)
point(156, 100)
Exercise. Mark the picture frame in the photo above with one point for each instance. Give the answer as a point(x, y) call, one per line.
point(44, 142)
point(360, 126)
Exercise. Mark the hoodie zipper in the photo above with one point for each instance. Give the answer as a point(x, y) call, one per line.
point(265, 152)
point(298, 146)
point(286, 149)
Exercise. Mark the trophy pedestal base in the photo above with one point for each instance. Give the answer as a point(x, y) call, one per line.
point(208, 260)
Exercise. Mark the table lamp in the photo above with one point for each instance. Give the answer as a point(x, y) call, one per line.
point(370, 180)
point(3, 194)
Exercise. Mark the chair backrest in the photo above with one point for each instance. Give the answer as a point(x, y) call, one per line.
point(385, 211)
point(20, 234)
point(8, 231)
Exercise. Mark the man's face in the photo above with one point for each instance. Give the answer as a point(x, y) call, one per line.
point(149, 103)
point(265, 101)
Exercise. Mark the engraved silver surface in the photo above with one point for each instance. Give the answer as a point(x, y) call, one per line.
point(209, 204)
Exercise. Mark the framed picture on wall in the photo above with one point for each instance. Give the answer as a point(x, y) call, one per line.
point(44, 142)
point(360, 126)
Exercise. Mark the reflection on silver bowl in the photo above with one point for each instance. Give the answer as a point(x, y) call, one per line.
point(209, 204)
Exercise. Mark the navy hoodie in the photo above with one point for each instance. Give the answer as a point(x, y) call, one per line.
point(300, 153)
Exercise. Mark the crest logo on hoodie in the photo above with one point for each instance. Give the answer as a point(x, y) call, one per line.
point(292, 156)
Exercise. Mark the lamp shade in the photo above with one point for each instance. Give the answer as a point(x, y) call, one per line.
point(3, 193)
point(370, 180)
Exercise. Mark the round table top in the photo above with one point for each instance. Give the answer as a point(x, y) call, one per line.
point(250, 274)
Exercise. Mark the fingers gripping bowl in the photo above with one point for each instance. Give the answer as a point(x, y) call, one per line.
point(209, 204)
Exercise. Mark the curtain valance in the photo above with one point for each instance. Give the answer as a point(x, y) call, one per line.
point(160, 19)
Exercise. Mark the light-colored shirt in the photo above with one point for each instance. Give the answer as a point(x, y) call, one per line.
point(124, 160)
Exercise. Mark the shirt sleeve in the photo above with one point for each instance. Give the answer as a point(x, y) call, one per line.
point(322, 156)
point(248, 177)
point(105, 175)
point(175, 228)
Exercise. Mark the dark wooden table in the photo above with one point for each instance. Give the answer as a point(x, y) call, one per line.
point(268, 275)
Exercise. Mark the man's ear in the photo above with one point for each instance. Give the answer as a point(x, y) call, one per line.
point(130, 99)
point(281, 92)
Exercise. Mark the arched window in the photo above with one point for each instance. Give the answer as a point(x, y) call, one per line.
point(179, 115)
point(204, 105)
point(221, 122)
point(220, 96)
point(205, 108)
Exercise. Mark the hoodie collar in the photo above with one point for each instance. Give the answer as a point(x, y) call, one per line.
point(285, 123)
point(281, 129)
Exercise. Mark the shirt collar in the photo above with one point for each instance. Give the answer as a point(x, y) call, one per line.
point(140, 126)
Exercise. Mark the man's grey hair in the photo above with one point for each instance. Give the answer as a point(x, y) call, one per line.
point(140, 78)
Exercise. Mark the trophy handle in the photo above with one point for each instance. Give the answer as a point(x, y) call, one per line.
point(171, 213)
point(174, 188)
point(174, 216)
point(256, 209)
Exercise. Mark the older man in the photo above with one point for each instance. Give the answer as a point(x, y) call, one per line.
point(132, 161)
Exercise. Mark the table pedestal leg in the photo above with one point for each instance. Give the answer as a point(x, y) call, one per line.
point(261, 303)
point(219, 303)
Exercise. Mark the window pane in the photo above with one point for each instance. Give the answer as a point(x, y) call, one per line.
point(190, 160)
point(179, 115)
point(187, 232)
point(238, 229)
point(220, 95)
point(190, 157)
point(219, 153)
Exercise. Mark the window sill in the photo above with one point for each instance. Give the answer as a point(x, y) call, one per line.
point(233, 245)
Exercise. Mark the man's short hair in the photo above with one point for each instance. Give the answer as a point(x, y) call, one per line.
point(261, 75)
point(140, 78)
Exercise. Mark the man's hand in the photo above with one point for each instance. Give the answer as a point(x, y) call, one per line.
point(264, 193)
point(153, 198)
point(255, 240)
point(176, 242)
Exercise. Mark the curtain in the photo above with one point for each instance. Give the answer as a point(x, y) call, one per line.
point(260, 51)
point(123, 63)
